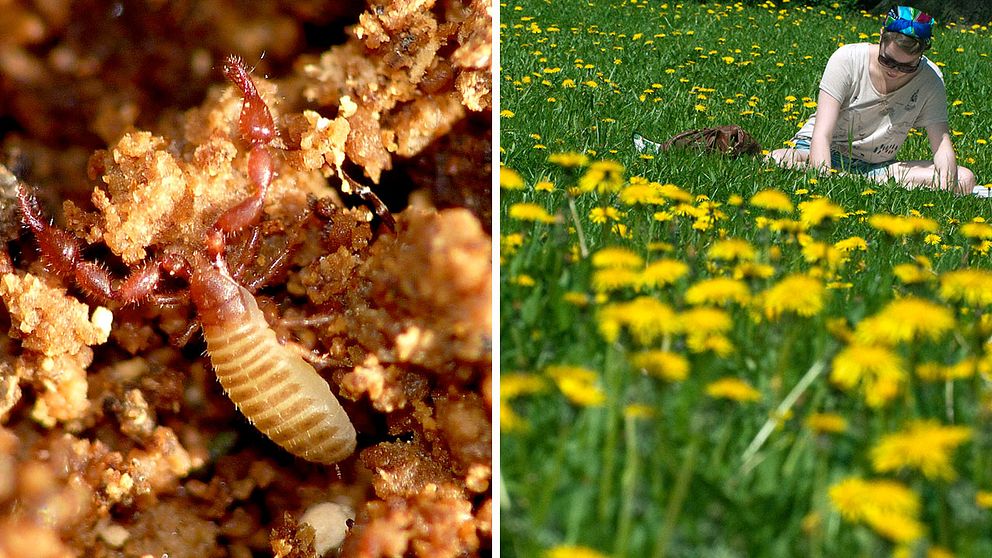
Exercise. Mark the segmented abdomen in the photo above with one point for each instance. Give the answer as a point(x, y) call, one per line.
point(277, 390)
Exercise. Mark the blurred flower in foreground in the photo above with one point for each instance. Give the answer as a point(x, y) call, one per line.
point(530, 212)
point(905, 320)
point(572, 551)
point(826, 423)
point(888, 507)
point(972, 287)
point(879, 372)
point(569, 159)
point(773, 200)
point(668, 366)
point(602, 176)
point(734, 389)
point(647, 319)
point(510, 179)
point(925, 445)
point(797, 293)
point(578, 384)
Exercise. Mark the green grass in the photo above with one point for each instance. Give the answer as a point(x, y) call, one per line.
point(687, 477)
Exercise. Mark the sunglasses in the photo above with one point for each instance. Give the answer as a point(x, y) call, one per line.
point(897, 66)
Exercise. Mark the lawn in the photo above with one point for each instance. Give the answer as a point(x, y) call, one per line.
point(705, 356)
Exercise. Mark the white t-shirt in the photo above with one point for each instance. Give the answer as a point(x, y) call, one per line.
point(871, 127)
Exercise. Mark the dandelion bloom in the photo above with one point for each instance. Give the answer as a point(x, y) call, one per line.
point(614, 256)
point(510, 179)
point(972, 287)
point(773, 200)
point(797, 293)
point(645, 194)
point(569, 159)
point(646, 318)
point(674, 193)
point(889, 508)
point(823, 253)
point(936, 372)
point(615, 278)
point(572, 551)
point(666, 365)
point(876, 369)
point(638, 410)
point(603, 176)
point(663, 272)
point(925, 445)
point(826, 423)
point(718, 291)
point(734, 389)
point(578, 384)
point(530, 212)
point(814, 212)
point(905, 320)
point(601, 215)
point(515, 384)
point(983, 498)
point(911, 273)
point(510, 420)
point(897, 226)
point(851, 244)
point(978, 231)
point(731, 249)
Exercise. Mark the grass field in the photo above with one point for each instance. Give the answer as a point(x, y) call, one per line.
point(711, 357)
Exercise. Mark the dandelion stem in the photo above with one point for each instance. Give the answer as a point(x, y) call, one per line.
point(627, 487)
point(678, 494)
point(583, 249)
point(748, 457)
point(613, 374)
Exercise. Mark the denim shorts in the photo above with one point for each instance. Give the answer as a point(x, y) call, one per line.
point(845, 163)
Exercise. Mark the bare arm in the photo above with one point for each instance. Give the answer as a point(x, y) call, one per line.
point(945, 163)
point(827, 113)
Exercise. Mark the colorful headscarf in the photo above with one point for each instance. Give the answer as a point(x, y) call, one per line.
point(910, 22)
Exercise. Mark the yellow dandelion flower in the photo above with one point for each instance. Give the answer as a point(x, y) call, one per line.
point(706, 320)
point(576, 298)
point(614, 256)
point(674, 193)
point(639, 411)
point(668, 366)
point(911, 273)
point(615, 278)
point(569, 159)
point(602, 176)
point(978, 231)
point(972, 287)
point(814, 212)
point(888, 507)
point(510, 243)
point(924, 445)
point(936, 372)
point(772, 200)
point(718, 291)
point(932, 239)
point(509, 419)
point(826, 423)
point(506, 113)
point(530, 212)
point(751, 270)
point(876, 369)
point(601, 215)
point(663, 272)
point(823, 253)
point(647, 319)
point(577, 384)
point(510, 179)
point(515, 384)
point(851, 244)
point(731, 249)
point(544, 186)
point(898, 226)
point(568, 83)
point(983, 498)
point(572, 551)
point(797, 293)
point(646, 194)
point(905, 320)
point(734, 389)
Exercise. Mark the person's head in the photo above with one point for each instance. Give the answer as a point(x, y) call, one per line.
point(908, 29)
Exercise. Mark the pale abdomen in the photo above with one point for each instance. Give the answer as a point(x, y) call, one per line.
point(278, 391)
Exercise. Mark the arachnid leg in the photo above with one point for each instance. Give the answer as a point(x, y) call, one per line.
point(62, 253)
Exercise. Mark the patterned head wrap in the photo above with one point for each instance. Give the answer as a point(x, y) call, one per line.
point(910, 22)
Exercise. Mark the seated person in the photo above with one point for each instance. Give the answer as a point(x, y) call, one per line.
point(870, 97)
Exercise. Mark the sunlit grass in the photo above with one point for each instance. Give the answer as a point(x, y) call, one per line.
point(712, 357)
